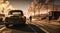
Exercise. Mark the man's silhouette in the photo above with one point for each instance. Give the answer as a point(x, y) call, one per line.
point(30, 18)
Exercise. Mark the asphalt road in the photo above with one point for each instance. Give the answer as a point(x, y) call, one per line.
point(33, 27)
point(28, 28)
point(47, 27)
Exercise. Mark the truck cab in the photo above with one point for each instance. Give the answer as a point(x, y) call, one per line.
point(15, 17)
point(54, 15)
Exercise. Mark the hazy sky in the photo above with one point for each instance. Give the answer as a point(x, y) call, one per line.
point(23, 4)
point(57, 2)
point(20, 4)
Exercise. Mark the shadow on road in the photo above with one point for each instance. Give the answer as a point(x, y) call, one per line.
point(26, 28)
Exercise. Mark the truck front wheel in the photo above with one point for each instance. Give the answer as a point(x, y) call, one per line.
point(7, 25)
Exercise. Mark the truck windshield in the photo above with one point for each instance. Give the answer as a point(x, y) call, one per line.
point(16, 13)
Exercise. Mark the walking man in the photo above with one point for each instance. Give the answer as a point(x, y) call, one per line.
point(30, 18)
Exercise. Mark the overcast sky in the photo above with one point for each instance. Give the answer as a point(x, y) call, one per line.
point(22, 4)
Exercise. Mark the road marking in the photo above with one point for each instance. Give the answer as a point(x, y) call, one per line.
point(42, 28)
point(6, 32)
point(40, 24)
point(2, 29)
point(32, 28)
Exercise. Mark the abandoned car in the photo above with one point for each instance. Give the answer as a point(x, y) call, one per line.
point(15, 17)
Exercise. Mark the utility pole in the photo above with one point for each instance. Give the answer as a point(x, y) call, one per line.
point(53, 9)
point(53, 5)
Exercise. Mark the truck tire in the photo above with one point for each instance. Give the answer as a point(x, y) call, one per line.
point(7, 25)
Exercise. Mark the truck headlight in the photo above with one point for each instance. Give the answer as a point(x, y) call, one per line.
point(22, 16)
point(9, 15)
